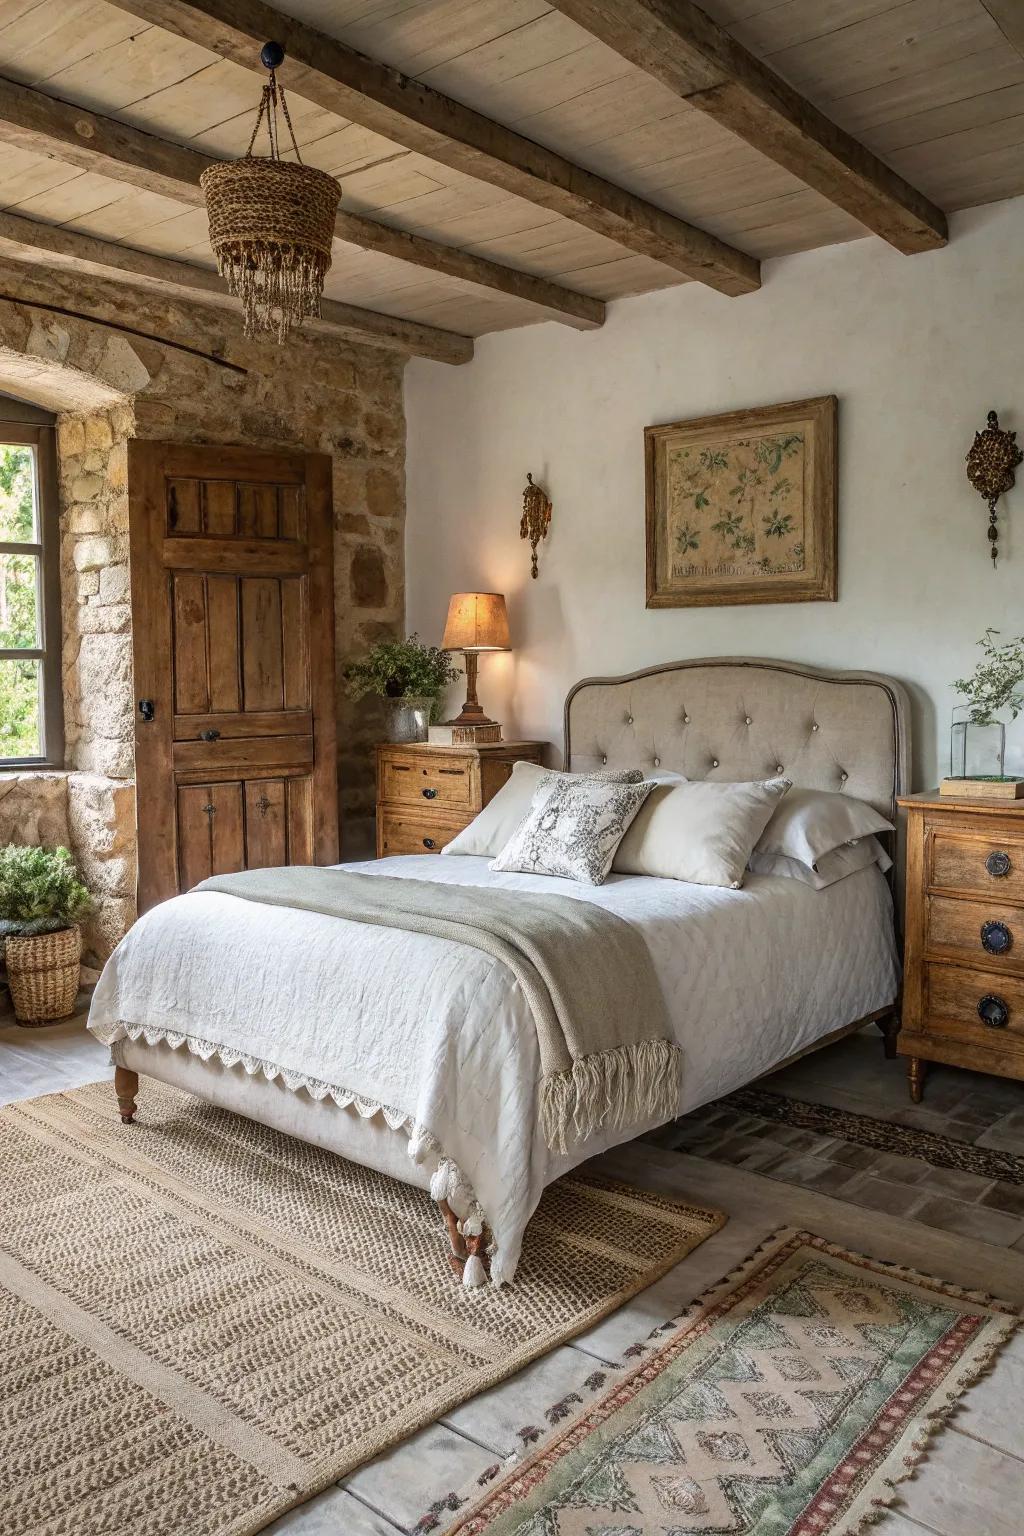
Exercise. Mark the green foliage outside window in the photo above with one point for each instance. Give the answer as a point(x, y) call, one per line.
point(19, 680)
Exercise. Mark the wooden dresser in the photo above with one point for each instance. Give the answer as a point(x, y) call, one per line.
point(963, 988)
point(425, 794)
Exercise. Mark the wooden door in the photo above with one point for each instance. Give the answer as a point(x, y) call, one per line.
point(233, 635)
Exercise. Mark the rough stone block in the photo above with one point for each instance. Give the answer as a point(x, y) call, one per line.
point(114, 584)
point(93, 553)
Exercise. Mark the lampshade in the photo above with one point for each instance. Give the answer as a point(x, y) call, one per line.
point(477, 621)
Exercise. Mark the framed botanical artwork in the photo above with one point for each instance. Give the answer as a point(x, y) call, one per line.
point(741, 508)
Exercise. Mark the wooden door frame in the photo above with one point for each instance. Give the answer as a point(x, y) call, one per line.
point(150, 463)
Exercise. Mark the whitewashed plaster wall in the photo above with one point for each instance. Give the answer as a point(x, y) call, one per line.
point(917, 349)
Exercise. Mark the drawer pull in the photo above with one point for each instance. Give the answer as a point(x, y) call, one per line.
point(996, 938)
point(994, 1011)
point(998, 864)
point(428, 842)
point(429, 794)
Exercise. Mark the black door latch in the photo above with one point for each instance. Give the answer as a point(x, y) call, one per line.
point(147, 709)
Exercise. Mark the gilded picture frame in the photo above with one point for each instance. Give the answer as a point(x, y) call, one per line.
point(741, 507)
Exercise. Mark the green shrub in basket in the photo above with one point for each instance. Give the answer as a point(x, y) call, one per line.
point(40, 892)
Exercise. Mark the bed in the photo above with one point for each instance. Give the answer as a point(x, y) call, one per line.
point(425, 1058)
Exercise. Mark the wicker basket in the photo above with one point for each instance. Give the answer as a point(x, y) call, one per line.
point(43, 973)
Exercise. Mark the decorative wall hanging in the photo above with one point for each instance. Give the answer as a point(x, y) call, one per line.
point(535, 521)
point(991, 462)
point(272, 221)
point(741, 508)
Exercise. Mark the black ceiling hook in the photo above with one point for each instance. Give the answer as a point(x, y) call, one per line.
point(272, 55)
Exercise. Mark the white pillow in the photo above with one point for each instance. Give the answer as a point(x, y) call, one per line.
point(842, 861)
point(573, 829)
point(812, 822)
point(488, 832)
point(700, 830)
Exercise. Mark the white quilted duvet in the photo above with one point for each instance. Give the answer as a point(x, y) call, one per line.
point(439, 1035)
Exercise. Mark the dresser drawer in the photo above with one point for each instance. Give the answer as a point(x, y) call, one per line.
point(981, 933)
point(954, 997)
point(435, 781)
point(408, 832)
point(986, 865)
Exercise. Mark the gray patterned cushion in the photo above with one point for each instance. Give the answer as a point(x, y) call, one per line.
point(573, 829)
point(488, 832)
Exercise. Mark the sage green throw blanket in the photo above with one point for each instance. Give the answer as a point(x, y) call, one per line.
point(607, 1061)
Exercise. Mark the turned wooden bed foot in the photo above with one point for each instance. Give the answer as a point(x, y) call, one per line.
point(126, 1086)
point(890, 1027)
point(459, 1252)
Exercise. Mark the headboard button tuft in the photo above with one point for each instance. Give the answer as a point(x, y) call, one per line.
point(748, 720)
point(686, 719)
point(629, 719)
point(604, 759)
point(714, 762)
point(843, 777)
point(657, 762)
point(814, 727)
point(779, 768)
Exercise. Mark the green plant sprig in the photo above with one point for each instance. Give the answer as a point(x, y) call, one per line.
point(40, 891)
point(401, 669)
point(995, 686)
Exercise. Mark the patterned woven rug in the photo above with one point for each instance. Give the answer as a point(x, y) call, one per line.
point(205, 1322)
point(883, 1135)
point(789, 1401)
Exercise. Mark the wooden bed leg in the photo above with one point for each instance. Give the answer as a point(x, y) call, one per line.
point(890, 1027)
point(459, 1254)
point(915, 1078)
point(126, 1086)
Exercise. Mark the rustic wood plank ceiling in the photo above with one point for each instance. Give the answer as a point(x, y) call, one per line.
point(933, 88)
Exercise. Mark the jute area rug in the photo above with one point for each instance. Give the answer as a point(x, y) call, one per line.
point(790, 1400)
point(204, 1322)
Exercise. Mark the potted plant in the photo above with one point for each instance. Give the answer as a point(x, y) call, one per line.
point(994, 688)
point(410, 677)
point(42, 902)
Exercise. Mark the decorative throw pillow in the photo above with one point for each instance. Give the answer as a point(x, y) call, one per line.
point(830, 867)
point(488, 832)
point(573, 829)
point(812, 822)
point(701, 830)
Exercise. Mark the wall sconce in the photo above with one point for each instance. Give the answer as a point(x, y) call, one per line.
point(991, 462)
point(535, 521)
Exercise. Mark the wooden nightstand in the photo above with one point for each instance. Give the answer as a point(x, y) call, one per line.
point(425, 794)
point(963, 987)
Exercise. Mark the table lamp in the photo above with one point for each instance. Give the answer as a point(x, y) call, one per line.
point(477, 621)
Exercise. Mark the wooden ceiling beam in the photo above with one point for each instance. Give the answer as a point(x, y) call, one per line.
point(678, 44)
point(53, 245)
point(324, 71)
point(48, 126)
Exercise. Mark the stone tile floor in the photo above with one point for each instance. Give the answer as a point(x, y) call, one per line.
point(853, 1075)
point(764, 1175)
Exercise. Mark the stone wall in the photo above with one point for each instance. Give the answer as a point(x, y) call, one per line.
point(314, 394)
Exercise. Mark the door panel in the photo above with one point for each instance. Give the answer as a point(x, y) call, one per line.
point(232, 602)
point(211, 835)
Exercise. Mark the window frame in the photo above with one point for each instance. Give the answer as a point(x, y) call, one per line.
point(40, 434)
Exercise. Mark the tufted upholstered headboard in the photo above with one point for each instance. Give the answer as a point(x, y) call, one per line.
point(743, 717)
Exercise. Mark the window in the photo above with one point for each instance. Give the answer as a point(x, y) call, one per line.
point(31, 717)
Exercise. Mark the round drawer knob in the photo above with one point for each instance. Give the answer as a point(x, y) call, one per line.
point(998, 864)
point(996, 938)
point(430, 794)
point(428, 842)
point(994, 1011)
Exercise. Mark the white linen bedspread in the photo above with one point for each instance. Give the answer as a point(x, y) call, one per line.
point(442, 1034)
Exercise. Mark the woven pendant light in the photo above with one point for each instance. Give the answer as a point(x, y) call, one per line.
point(272, 222)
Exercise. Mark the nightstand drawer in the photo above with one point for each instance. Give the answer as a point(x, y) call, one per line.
point(438, 780)
point(980, 933)
point(986, 865)
point(978, 1007)
point(404, 832)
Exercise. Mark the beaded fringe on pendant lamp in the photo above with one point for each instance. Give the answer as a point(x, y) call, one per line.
point(272, 222)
